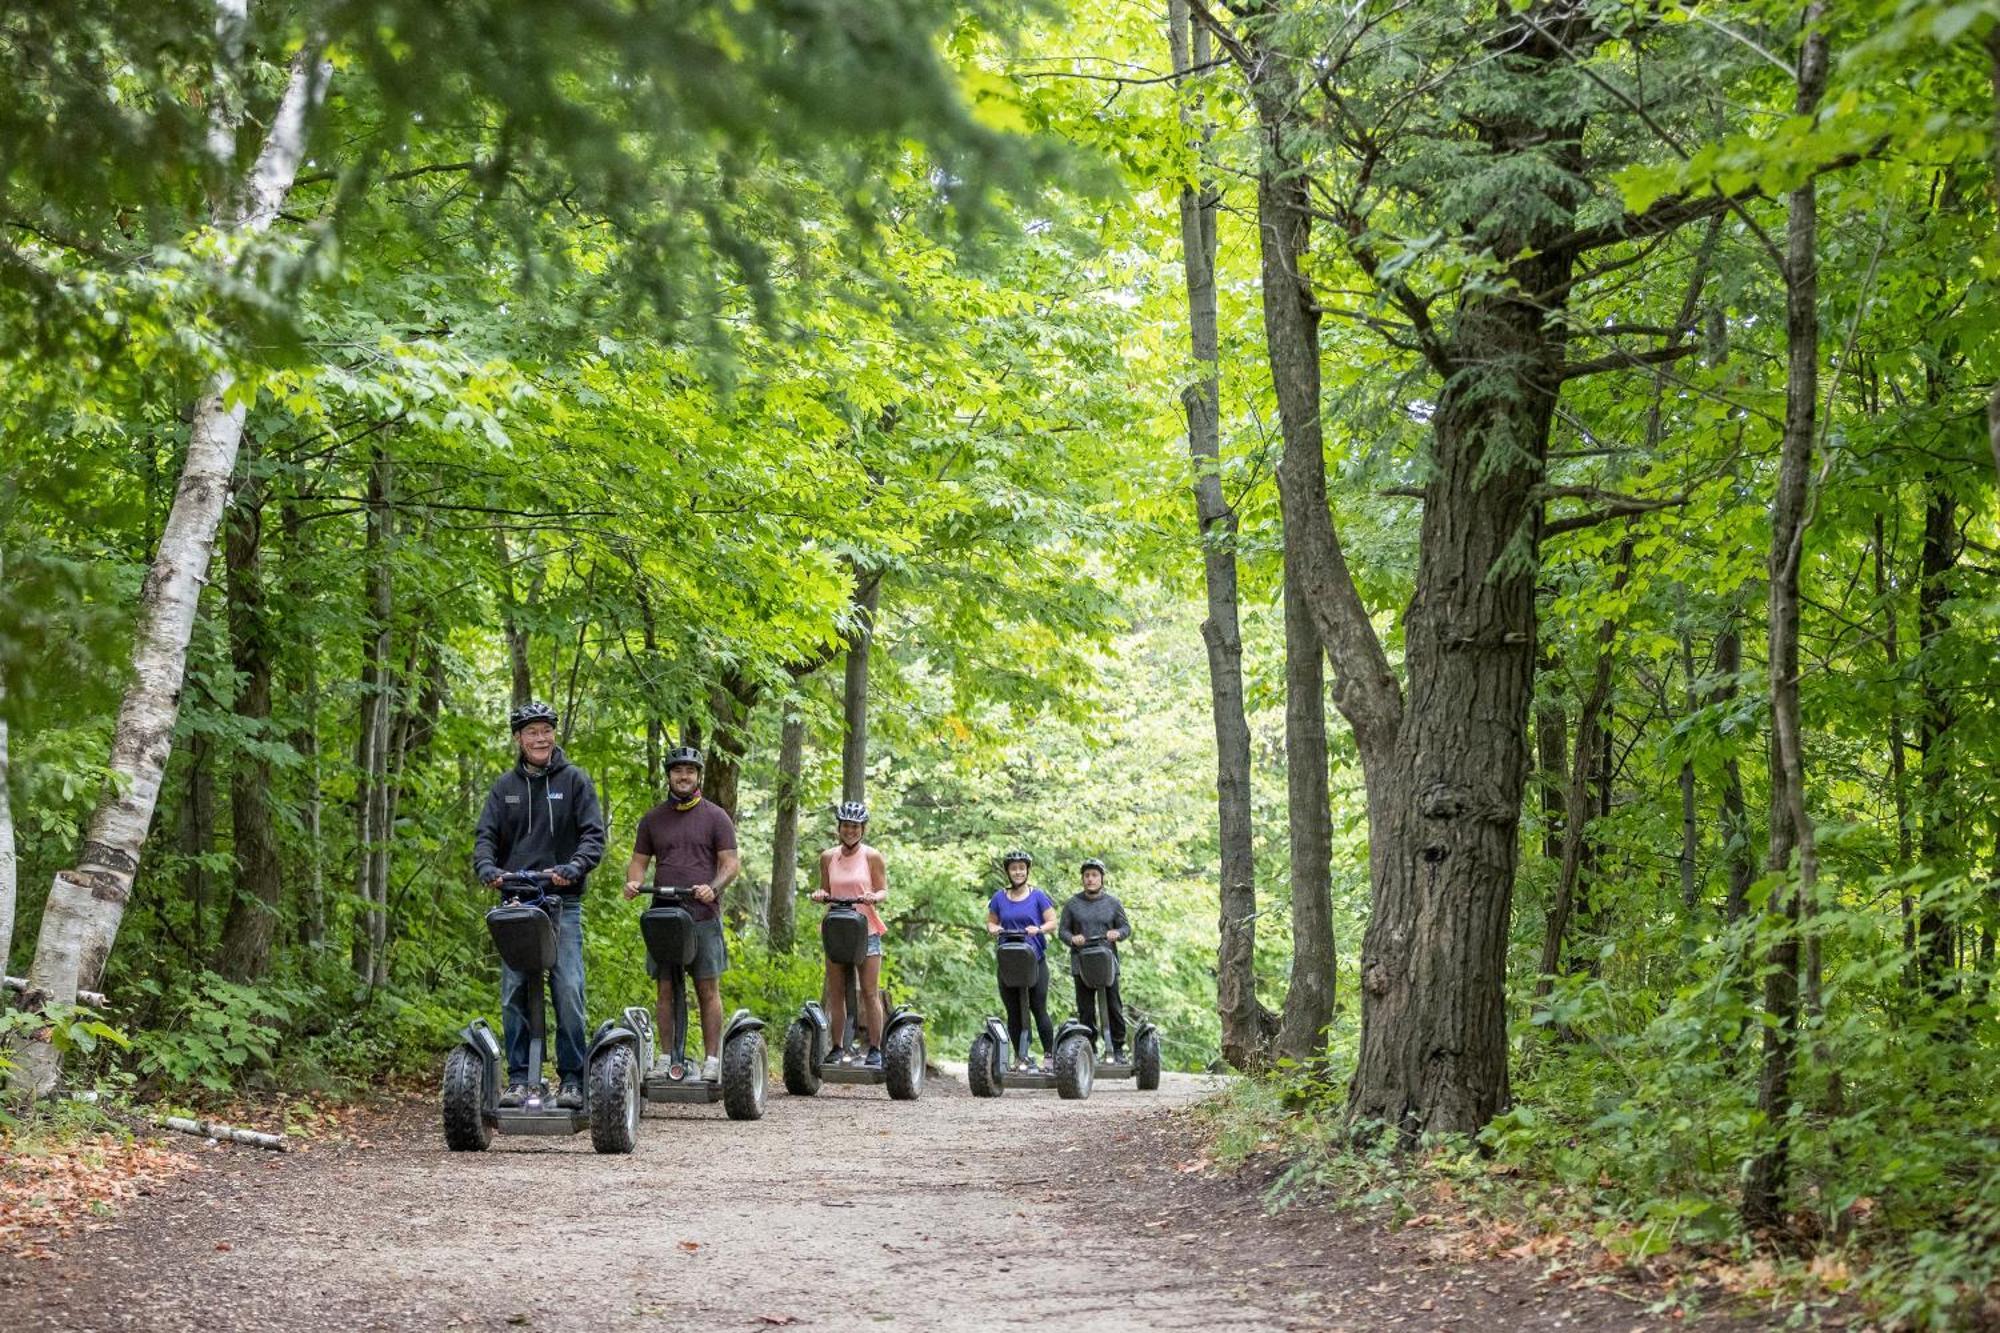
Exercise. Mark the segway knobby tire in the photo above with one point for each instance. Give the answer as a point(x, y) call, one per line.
point(1076, 1068)
point(465, 1127)
point(743, 1075)
point(614, 1101)
point(801, 1072)
point(1146, 1056)
point(904, 1062)
point(982, 1068)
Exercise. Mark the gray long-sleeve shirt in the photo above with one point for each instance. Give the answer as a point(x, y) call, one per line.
point(1087, 916)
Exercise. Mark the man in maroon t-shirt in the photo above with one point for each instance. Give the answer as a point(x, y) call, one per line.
point(692, 845)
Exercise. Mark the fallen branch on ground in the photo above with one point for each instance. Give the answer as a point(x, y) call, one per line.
point(210, 1129)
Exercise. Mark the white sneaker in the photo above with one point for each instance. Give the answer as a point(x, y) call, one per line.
point(711, 1069)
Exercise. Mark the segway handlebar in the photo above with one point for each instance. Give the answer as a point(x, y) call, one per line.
point(673, 894)
point(513, 882)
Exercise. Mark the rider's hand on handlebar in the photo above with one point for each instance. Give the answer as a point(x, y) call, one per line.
point(631, 889)
point(704, 893)
point(561, 880)
point(1034, 930)
point(992, 928)
point(819, 895)
point(1076, 940)
point(1113, 936)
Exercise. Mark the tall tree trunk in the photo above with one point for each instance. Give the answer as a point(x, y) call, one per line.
point(1309, 997)
point(85, 904)
point(1690, 810)
point(1735, 810)
point(8, 869)
point(730, 700)
point(1936, 942)
point(251, 924)
point(372, 826)
point(1247, 1027)
point(1791, 826)
point(854, 691)
point(197, 842)
point(1588, 754)
point(1551, 762)
point(782, 913)
point(1899, 767)
point(520, 666)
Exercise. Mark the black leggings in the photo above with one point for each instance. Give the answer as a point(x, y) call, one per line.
point(1038, 1001)
point(1086, 1009)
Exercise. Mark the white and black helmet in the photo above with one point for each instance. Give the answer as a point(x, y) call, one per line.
point(684, 754)
point(851, 812)
point(532, 711)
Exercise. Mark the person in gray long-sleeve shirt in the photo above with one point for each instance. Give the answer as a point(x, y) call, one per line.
point(1086, 916)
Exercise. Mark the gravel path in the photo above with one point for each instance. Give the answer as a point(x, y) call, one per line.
point(844, 1211)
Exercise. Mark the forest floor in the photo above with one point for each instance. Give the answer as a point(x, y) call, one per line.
point(843, 1211)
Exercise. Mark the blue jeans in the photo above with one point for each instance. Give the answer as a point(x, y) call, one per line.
point(566, 982)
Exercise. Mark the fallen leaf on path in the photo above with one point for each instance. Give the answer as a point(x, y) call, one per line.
point(780, 1320)
point(690, 1245)
point(224, 1246)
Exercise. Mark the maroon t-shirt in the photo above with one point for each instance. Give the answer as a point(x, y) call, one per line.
point(684, 845)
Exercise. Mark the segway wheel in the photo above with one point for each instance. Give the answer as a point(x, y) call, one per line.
point(465, 1127)
point(801, 1073)
point(982, 1068)
point(614, 1101)
point(1076, 1068)
point(904, 1062)
point(1146, 1057)
point(743, 1075)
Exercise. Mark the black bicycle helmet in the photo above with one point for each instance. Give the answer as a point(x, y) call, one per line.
point(1092, 864)
point(532, 711)
point(851, 812)
point(684, 754)
point(1016, 854)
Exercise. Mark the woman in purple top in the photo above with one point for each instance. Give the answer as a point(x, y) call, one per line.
point(1023, 907)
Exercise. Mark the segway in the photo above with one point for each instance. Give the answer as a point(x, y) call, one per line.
point(1097, 970)
point(813, 1051)
point(524, 929)
point(669, 931)
point(986, 1073)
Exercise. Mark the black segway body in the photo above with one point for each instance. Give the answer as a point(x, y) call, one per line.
point(524, 934)
point(1018, 966)
point(1017, 961)
point(1097, 965)
point(843, 933)
point(669, 933)
point(809, 1047)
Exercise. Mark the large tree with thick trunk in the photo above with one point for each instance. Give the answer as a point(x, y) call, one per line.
point(1352, 108)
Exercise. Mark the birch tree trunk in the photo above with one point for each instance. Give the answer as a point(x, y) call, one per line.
point(1247, 1027)
point(1791, 827)
point(782, 913)
point(86, 902)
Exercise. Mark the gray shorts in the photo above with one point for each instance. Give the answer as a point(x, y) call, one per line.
point(711, 953)
point(874, 946)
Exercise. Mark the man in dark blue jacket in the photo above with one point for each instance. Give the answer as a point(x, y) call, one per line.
point(542, 814)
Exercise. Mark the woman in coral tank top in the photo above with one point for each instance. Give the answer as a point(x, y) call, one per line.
point(853, 869)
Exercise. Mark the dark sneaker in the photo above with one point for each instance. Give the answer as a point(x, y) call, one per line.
point(874, 1060)
point(1118, 1055)
point(571, 1095)
point(516, 1094)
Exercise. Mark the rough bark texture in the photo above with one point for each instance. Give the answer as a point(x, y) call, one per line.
point(782, 914)
point(372, 826)
point(1247, 1027)
point(251, 924)
point(1791, 827)
point(854, 692)
point(730, 700)
point(1309, 997)
point(1937, 841)
point(311, 876)
point(85, 904)
point(1577, 793)
point(1433, 1040)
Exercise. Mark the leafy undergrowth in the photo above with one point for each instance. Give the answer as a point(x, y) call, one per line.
point(1473, 1204)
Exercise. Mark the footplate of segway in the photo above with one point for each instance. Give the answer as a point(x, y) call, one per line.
point(661, 1088)
point(554, 1120)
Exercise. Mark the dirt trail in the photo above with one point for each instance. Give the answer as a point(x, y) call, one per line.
point(838, 1212)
